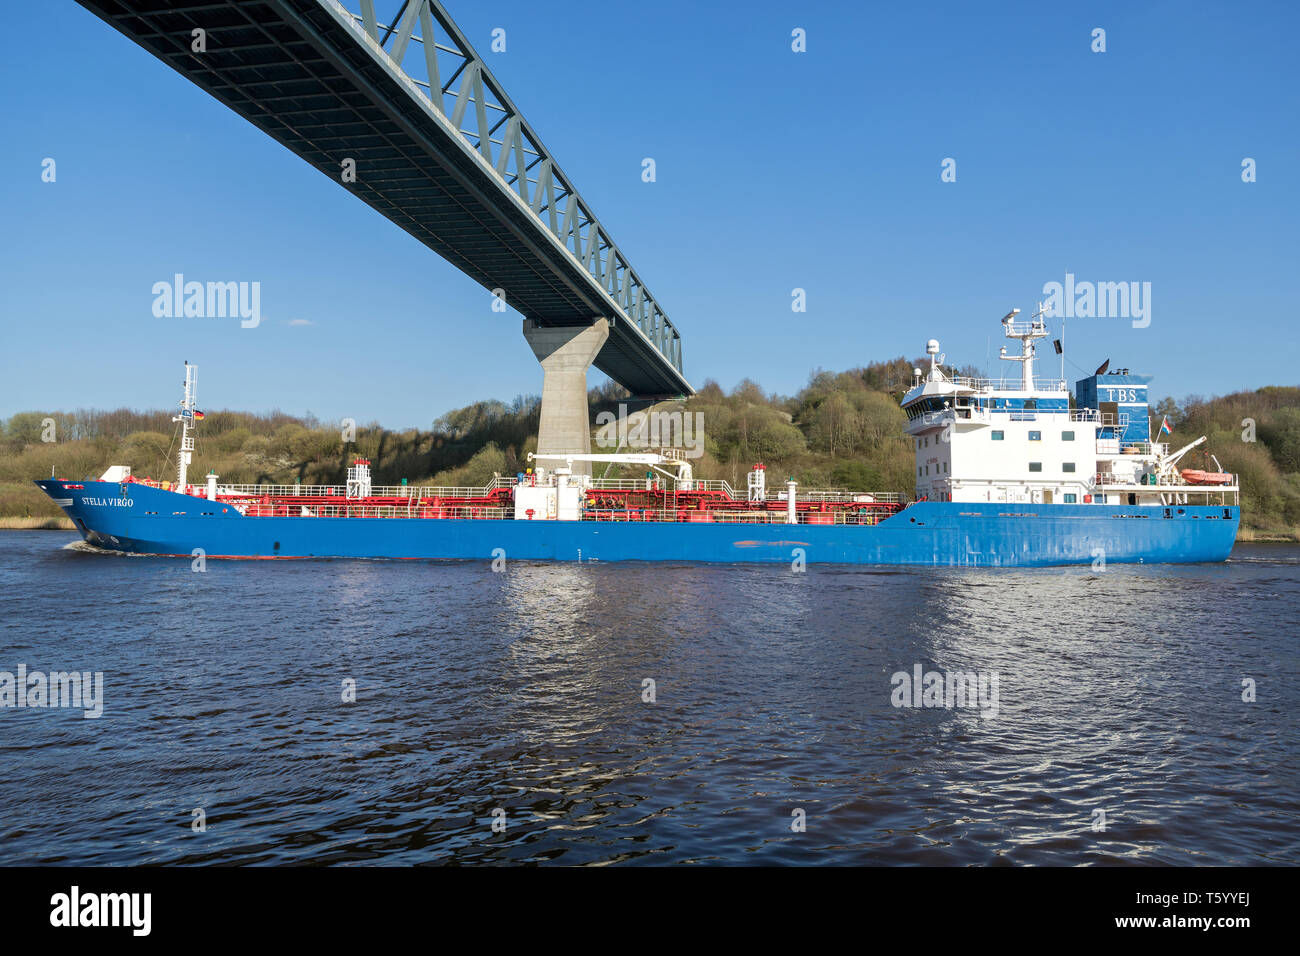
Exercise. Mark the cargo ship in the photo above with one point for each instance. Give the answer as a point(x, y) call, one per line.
point(1008, 474)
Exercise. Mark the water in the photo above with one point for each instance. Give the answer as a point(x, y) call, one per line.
point(521, 692)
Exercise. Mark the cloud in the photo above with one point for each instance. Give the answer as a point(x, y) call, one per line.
point(301, 322)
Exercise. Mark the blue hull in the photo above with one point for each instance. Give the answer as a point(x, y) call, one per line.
point(144, 520)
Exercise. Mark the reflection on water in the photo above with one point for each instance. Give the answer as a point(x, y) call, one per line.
point(524, 692)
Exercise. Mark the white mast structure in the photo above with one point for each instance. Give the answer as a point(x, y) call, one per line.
point(1040, 312)
point(1035, 329)
point(186, 455)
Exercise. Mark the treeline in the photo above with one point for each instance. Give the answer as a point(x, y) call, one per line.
point(843, 429)
point(1256, 435)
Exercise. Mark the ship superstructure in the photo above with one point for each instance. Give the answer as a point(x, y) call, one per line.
point(987, 440)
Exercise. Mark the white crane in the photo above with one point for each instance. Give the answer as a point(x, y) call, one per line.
point(1165, 465)
point(654, 460)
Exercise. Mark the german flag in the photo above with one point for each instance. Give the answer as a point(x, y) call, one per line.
point(198, 416)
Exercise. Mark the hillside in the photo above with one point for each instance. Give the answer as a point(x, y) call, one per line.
point(843, 429)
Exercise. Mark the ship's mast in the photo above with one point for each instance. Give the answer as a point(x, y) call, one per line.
point(1041, 312)
point(186, 418)
point(1026, 333)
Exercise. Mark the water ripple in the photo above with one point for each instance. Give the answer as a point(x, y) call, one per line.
point(517, 699)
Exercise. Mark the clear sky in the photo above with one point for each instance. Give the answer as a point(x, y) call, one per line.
point(776, 170)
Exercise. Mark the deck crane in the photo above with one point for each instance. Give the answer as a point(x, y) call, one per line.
point(654, 460)
point(1165, 465)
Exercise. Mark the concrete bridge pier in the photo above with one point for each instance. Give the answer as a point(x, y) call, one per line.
point(566, 352)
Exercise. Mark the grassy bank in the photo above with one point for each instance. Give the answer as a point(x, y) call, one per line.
point(1269, 537)
point(36, 524)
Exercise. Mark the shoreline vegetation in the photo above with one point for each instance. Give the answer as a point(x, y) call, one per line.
point(11, 523)
point(843, 429)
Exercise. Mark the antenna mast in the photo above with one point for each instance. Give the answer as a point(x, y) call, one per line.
point(186, 418)
point(1038, 315)
point(1036, 329)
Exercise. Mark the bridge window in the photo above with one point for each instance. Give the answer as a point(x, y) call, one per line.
point(1035, 466)
point(998, 436)
point(1067, 466)
point(1071, 499)
point(1031, 403)
point(1067, 436)
point(1035, 436)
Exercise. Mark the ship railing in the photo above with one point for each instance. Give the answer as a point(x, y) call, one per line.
point(660, 483)
point(1017, 329)
point(1109, 479)
point(475, 512)
point(933, 418)
point(1005, 385)
point(719, 516)
point(1176, 480)
point(376, 491)
point(1143, 448)
point(415, 493)
point(627, 484)
point(845, 496)
point(979, 384)
point(1104, 419)
point(717, 484)
point(281, 491)
point(478, 513)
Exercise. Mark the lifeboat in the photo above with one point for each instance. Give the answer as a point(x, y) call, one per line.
point(1194, 476)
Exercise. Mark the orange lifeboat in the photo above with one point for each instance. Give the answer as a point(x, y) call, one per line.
point(1194, 476)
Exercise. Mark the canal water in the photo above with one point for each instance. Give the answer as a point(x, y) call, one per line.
point(392, 712)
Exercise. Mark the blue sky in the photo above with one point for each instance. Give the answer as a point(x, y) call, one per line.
point(775, 170)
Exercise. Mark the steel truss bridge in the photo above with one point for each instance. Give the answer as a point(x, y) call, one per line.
point(439, 148)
